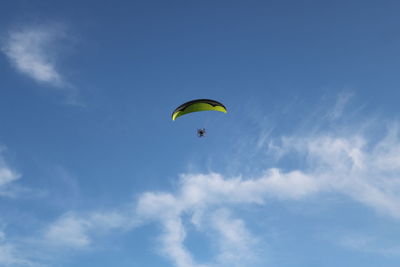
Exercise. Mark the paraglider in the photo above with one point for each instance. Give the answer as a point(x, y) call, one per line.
point(201, 132)
point(198, 105)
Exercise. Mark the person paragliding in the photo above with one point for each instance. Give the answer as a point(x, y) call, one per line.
point(201, 132)
point(198, 105)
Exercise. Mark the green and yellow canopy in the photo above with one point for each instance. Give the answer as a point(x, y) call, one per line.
point(198, 105)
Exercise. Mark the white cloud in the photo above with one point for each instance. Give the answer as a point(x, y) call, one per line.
point(348, 162)
point(167, 209)
point(10, 255)
point(351, 164)
point(366, 171)
point(77, 230)
point(7, 176)
point(201, 196)
point(369, 244)
point(236, 244)
point(340, 105)
point(32, 51)
point(69, 230)
point(363, 169)
point(172, 242)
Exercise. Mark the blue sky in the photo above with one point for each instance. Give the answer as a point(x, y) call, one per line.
point(304, 170)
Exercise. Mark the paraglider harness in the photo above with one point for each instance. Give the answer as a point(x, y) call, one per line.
point(201, 132)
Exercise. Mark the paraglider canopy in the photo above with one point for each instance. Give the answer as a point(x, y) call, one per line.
point(198, 105)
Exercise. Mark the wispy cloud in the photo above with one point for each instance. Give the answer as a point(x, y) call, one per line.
point(7, 176)
point(69, 230)
point(350, 162)
point(35, 50)
point(10, 255)
point(340, 105)
point(236, 244)
point(347, 161)
point(201, 197)
point(365, 170)
point(76, 231)
point(358, 167)
point(369, 244)
point(32, 51)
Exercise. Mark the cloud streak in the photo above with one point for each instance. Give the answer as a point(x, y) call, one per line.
point(352, 165)
point(10, 255)
point(32, 51)
point(7, 176)
point(349, 162)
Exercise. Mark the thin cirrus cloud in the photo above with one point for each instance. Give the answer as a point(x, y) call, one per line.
point(69, 231)
point(351, 163)
point(7, 177)
point(33, 52)
point(74, 230)
point(10, 254)
point(335, 164)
